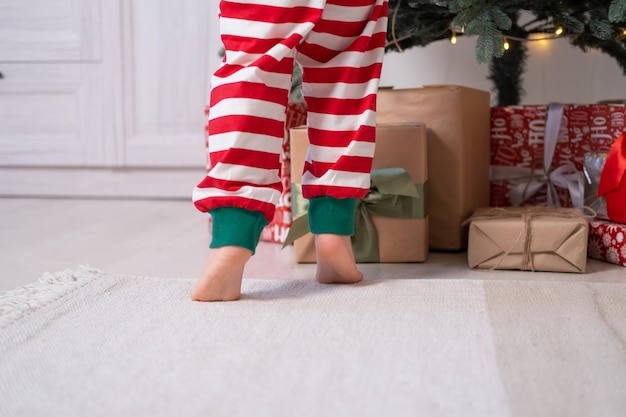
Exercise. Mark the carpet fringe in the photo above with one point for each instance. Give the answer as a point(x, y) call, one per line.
point(51, 286)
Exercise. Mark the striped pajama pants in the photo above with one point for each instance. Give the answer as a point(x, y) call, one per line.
point(339, 45)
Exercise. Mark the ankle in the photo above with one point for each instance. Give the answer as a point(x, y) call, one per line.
point(233, 255)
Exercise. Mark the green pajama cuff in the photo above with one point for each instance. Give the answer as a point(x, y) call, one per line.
point(233, 226)
point(332, 215)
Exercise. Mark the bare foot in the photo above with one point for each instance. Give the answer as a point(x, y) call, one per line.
point(335, 260)
point(221, 277)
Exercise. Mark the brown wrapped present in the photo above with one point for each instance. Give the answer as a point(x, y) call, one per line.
point(458, 121)
point(390, 226)
point(529, 239)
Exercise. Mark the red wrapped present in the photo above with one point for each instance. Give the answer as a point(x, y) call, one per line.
point(607, 241)
point(613, 181)
point(538, 152)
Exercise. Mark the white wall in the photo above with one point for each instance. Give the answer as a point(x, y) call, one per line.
point(215, 45)
point(555, 71)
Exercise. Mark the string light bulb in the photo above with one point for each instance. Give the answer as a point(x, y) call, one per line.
point(506, 45)
point(453, 38)
point(558, 31)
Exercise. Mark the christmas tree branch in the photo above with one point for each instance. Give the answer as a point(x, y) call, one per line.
point(588, 24)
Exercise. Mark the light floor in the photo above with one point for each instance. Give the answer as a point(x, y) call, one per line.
point(169, 238)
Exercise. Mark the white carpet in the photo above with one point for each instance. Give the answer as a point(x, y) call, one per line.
point(84, 343)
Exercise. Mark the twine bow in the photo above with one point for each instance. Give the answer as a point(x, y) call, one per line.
point(392, 194)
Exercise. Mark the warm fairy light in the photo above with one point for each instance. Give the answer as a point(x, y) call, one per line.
point(453, 39)
point(558, 31)
point(506, 45)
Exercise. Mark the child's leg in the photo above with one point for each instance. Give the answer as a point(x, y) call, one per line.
point(248, 100)
point(341, 59)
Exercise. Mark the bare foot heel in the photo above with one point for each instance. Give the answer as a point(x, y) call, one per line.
point(221, 277)
point(335, 260)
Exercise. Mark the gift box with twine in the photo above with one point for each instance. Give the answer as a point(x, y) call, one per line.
point(530, 238)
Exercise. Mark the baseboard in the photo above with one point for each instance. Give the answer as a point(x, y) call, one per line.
point(166, 183)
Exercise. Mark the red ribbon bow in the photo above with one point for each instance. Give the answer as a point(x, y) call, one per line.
point(612, 181)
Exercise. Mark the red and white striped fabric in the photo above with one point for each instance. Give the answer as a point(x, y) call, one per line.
point(339, 44)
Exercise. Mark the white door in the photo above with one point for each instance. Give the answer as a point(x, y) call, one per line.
point(51, 90)
point(169, 51)
point(114, 84)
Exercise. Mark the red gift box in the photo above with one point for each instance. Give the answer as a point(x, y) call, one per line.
point(607, 241)
point(525, 139)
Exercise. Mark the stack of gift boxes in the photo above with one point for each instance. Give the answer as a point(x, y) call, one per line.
point(516, 186)
point(565, 156)
point(430, 172)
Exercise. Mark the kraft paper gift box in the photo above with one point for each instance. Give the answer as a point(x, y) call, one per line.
point(457, 119)
point(529, 239)
point(401, 152)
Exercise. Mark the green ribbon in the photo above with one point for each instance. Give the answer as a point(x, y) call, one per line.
point(392, 194)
